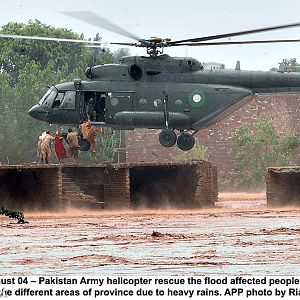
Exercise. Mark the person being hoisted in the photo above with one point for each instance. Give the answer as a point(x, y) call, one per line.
point(89, 132)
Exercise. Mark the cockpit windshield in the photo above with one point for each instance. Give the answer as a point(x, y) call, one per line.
point(50, 94)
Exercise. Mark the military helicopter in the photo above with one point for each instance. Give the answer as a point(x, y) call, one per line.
point(159, 91)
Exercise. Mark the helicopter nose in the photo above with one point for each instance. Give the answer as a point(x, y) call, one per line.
point(38, 112)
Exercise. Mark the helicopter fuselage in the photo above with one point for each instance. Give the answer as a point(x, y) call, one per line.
point(157, 92)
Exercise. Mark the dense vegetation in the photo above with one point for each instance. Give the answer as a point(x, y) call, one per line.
point(289, 65)
point(27, 67)
point(260, 146)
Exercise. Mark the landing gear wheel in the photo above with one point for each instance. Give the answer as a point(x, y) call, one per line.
point(84, 145)
point(185, 141)
point(167, 138)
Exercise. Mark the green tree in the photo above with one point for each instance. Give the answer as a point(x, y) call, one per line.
point(72, 57)
point(16, 53)
point(289, 65)
point(107, 143)
point(118, 54)
point(259, 146)
point(99, 55)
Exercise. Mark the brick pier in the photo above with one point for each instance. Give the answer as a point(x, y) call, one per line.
point(109, 186)
point(283, 186)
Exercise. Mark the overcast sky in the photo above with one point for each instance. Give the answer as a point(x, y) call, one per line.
point(177, 19)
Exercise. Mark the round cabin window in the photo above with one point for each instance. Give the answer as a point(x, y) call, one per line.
point(135, 72)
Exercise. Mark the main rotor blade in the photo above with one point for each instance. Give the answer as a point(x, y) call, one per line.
point(226, 35)
point(237, 43)
point(124, 44)
point(93, 19)
point(41, 38)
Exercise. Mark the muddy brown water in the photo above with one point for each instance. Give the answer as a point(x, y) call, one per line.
point(240, 236)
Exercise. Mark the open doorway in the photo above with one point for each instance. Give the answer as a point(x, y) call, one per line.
point(94, 106)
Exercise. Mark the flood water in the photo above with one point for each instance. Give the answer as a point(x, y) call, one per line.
point(239, 236)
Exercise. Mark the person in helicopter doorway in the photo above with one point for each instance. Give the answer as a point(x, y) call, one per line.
point(90, 107)
point(72, 140)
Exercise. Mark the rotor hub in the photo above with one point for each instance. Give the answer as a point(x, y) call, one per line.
point(154, 45)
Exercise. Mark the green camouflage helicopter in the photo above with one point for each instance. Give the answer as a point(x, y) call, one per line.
point(175, 94)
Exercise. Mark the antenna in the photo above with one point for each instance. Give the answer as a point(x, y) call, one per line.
point(238, 66)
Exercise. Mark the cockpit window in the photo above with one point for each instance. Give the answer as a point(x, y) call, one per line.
point(58, 99)
point(68, 102)
point(46, 96)
point(48, 99)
